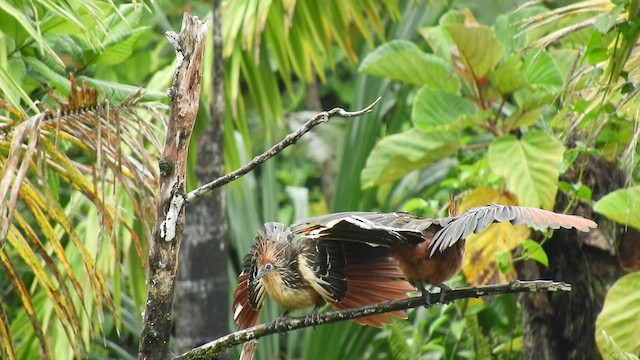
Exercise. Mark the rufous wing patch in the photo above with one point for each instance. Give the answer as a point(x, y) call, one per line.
point(244, 314)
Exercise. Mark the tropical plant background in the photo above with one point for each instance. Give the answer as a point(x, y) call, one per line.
point(533, 103)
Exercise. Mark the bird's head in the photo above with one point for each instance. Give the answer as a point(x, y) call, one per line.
point(273, 250)
point(265, 269)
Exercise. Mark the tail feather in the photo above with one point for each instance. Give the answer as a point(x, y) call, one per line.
point(380, 284)
point(249, 350)
point(373, 320)
point(244, 314)
point(374, 281)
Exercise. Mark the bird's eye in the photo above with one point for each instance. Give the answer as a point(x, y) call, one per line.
point(268, 266)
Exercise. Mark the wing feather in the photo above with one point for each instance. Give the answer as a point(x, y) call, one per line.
point(245, 314)
point(373, 229)
point(323, 265)
point(476, 220)
point(249, 295)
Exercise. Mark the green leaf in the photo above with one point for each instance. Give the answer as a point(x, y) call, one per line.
point(26, 25)
point(508, 348)
point(12, 90)
point(478, 48)
point(596, 51)
point(435, 110)
point(457, 327)
point(454, 17)
point(611, 350)
point(522, 117)
point(606, 20)
point(504, 261)
point(529, 166)
point(17, 69)
point(510, 36)
point(118, 43)
point(545, 79)
point(84, 18)
point(620, 316)
point(403, 60)
point(541, 69)
point(121, 49)
point(570, 156)
point(438, 40)
point(583, 192)
point(508, 77)
point(621, 206)
point(117, 92)
point(396, 155)
point(532, 250)
point(55, 78)
point(534, 97)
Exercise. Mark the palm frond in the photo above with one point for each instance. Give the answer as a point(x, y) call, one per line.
point(104, 156)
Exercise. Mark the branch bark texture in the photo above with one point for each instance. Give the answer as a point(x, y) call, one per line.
point(168, 231)
point(217, 347)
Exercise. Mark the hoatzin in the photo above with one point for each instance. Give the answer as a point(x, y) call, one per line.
point(430, 250)
point(301, 272)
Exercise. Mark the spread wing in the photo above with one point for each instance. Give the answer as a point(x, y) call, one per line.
point(323, 265)
point(477, 219)
point(351, 274)
point(249, 295)
point(371, 228)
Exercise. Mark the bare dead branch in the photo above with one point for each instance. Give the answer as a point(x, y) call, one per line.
point(275, 149)
point(215, 348)
point(168, 231)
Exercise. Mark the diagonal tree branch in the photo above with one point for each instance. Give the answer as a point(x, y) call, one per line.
point(275, 149)
point(214, 348)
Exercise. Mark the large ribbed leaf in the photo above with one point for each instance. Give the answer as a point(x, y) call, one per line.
point(541, 69)
point(396, 155)
point(121, 48)
point(404, 61)
point(620, 316)
point(50, 71)
point(437, 110)
point(508, 77)
point(477, 46)
point(529, 166)
point(621, 206)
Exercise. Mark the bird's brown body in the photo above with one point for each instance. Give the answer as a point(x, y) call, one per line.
point(300, 272)
point(418, 265)
point(431, 250)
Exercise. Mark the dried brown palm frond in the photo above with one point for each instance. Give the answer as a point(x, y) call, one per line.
point(73, 176)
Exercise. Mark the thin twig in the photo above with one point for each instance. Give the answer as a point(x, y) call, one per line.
point(275, 149)
point(215, 348)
